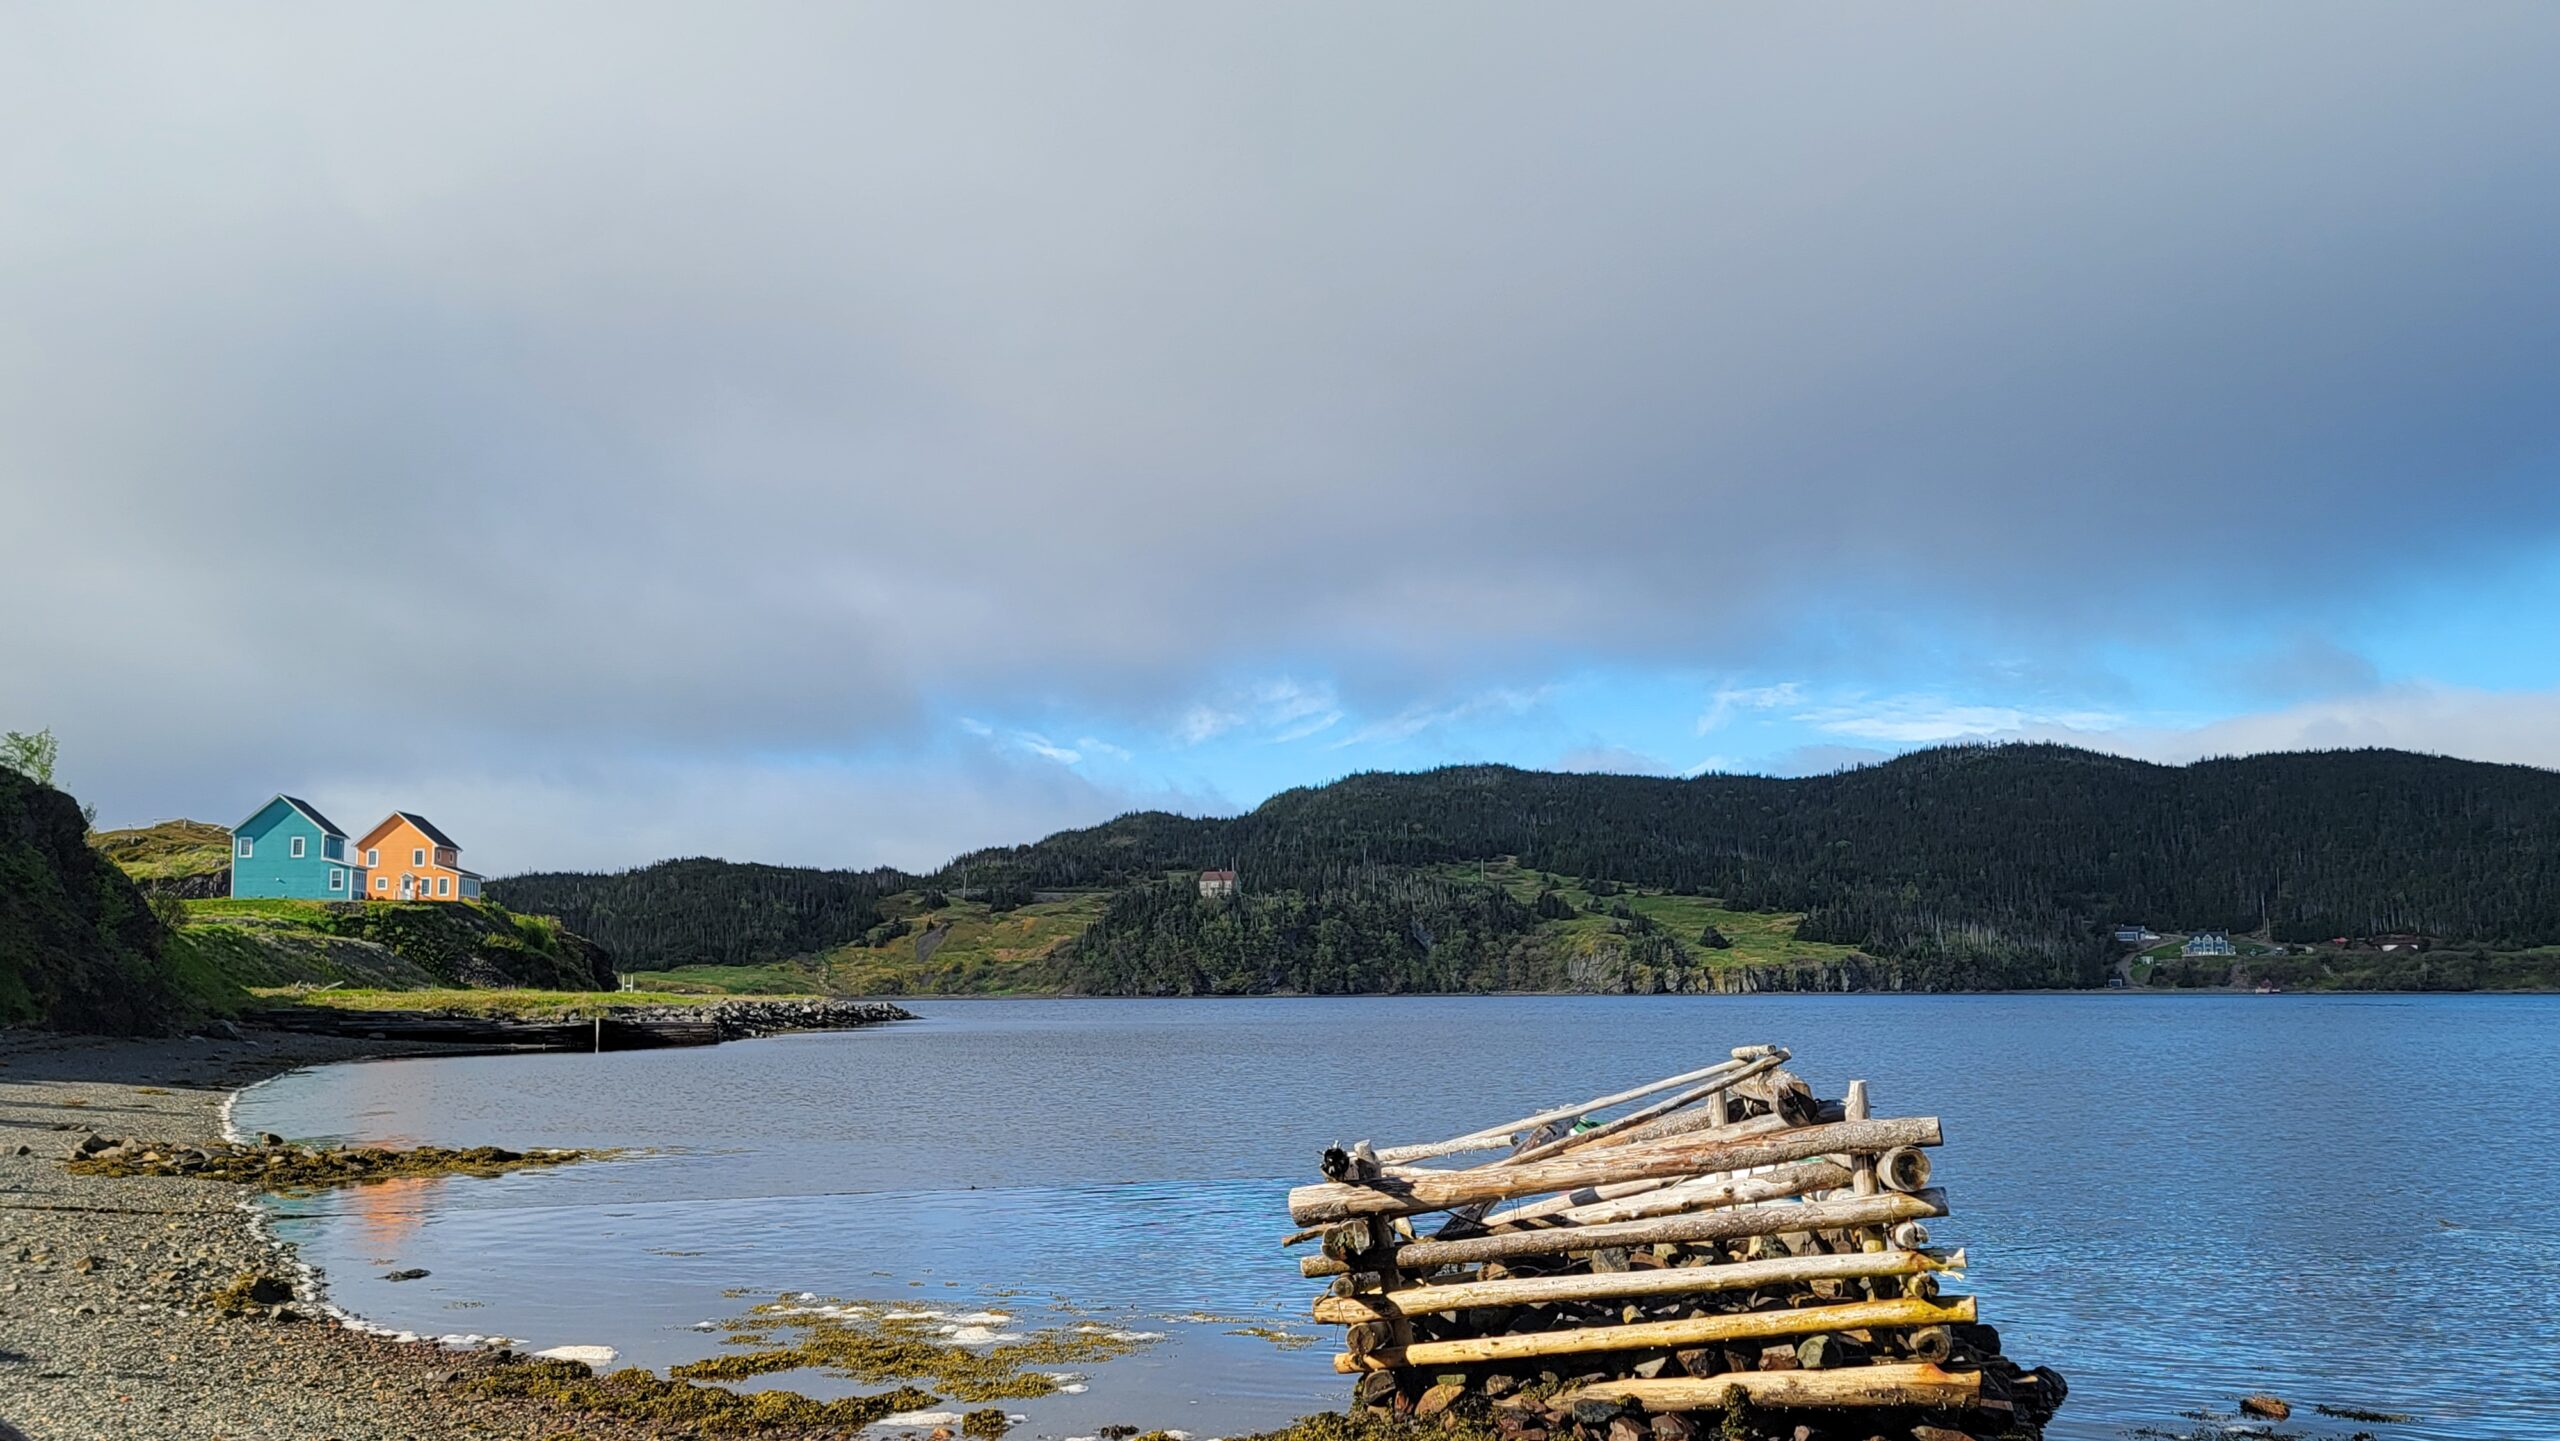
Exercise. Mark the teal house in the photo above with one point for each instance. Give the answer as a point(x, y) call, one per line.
point(290, 851)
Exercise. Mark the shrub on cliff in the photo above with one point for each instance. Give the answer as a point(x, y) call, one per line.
point(80, 949)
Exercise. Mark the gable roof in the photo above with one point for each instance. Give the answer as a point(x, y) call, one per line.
point(309, 811)
point(428, 829)
point(424, 827)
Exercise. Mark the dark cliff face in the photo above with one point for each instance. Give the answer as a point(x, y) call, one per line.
point(79, 947)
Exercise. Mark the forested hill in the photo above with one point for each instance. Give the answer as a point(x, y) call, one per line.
point(1973, 865)
point(2318, 843)
point(706, 911)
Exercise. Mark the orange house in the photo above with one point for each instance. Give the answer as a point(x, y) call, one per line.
point(416, 862)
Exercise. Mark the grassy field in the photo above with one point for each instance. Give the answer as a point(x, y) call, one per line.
point(776, 978)
point(544, 1005)
point(166, 850)
point(229, 909)
point(976, 952)
point(1759, 938)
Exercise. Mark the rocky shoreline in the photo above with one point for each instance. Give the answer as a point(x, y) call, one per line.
point(114, 1322)
point(604, 1026)
point(744, 1018)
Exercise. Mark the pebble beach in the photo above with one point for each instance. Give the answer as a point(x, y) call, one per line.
point(107, 1332)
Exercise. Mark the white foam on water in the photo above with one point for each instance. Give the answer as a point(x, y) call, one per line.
point(920, 1418)
point(592, 1355)
point(977, 1335)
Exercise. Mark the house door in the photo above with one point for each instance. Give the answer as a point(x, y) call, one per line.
point(408, 888)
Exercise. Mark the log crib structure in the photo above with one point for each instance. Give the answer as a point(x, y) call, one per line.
point(1715, 1242)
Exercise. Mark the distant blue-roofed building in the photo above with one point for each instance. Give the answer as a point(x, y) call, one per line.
point(289, 851)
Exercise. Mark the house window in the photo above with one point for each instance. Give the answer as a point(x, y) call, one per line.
point(372, 858)
point(444, 885)
point(337, 879)
point(295, 848)
point(334, 848)
point(418, 857)
point(247, 847)
point(382, 883)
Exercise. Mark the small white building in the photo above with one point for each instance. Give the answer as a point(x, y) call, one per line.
point(2208, 943)
point(1217, 884)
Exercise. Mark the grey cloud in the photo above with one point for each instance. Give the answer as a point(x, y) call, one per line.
point(656, 381)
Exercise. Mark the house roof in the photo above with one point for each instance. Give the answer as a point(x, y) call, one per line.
point(425, 827)
point(309, 811)
point(1217, 875)
point(428, 829)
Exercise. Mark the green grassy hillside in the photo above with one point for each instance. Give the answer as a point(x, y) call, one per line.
point(926, 944)
point(389, 944)
point(80, 948)
point(168, 851)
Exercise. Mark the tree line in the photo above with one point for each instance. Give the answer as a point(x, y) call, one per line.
point(2005, 865)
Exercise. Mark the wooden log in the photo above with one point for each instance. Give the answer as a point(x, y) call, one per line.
point(1495, 1137)
point(1586, 1195)
point(1691, 1122)
point(1575, 1141)
point(1862, 1169)
point(1915, 1385)
point(1931, 1343)
point(1350, 1238)
point(1731, 1225)
point(1663, 1335)
point(1911, 1235)
point(1704, 1193)
point(1667, 1281)
point(1407, 1195)
point(1582, 1196)
point(1786, 1095)
point(1904, 1168)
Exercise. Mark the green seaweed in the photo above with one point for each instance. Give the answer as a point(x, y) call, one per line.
point(849, 1342)
point(286, 1168)
point(1285, 1340)
point(249, 1293)
point(1374, 1426)
point(634, 1394)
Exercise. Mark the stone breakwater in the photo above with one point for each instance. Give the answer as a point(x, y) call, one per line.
point(608, 1027)
point(742, 1019)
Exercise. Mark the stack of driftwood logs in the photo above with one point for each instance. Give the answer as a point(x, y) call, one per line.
point(1735, 1246)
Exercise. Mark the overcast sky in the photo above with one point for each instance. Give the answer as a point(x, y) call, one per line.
point(847, 434)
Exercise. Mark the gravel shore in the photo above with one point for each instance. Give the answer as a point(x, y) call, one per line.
point(104, 1329)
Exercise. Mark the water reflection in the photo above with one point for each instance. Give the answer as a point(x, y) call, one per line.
point(2174, 1200)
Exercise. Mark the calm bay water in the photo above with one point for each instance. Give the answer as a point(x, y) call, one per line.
point(2173, 1200)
